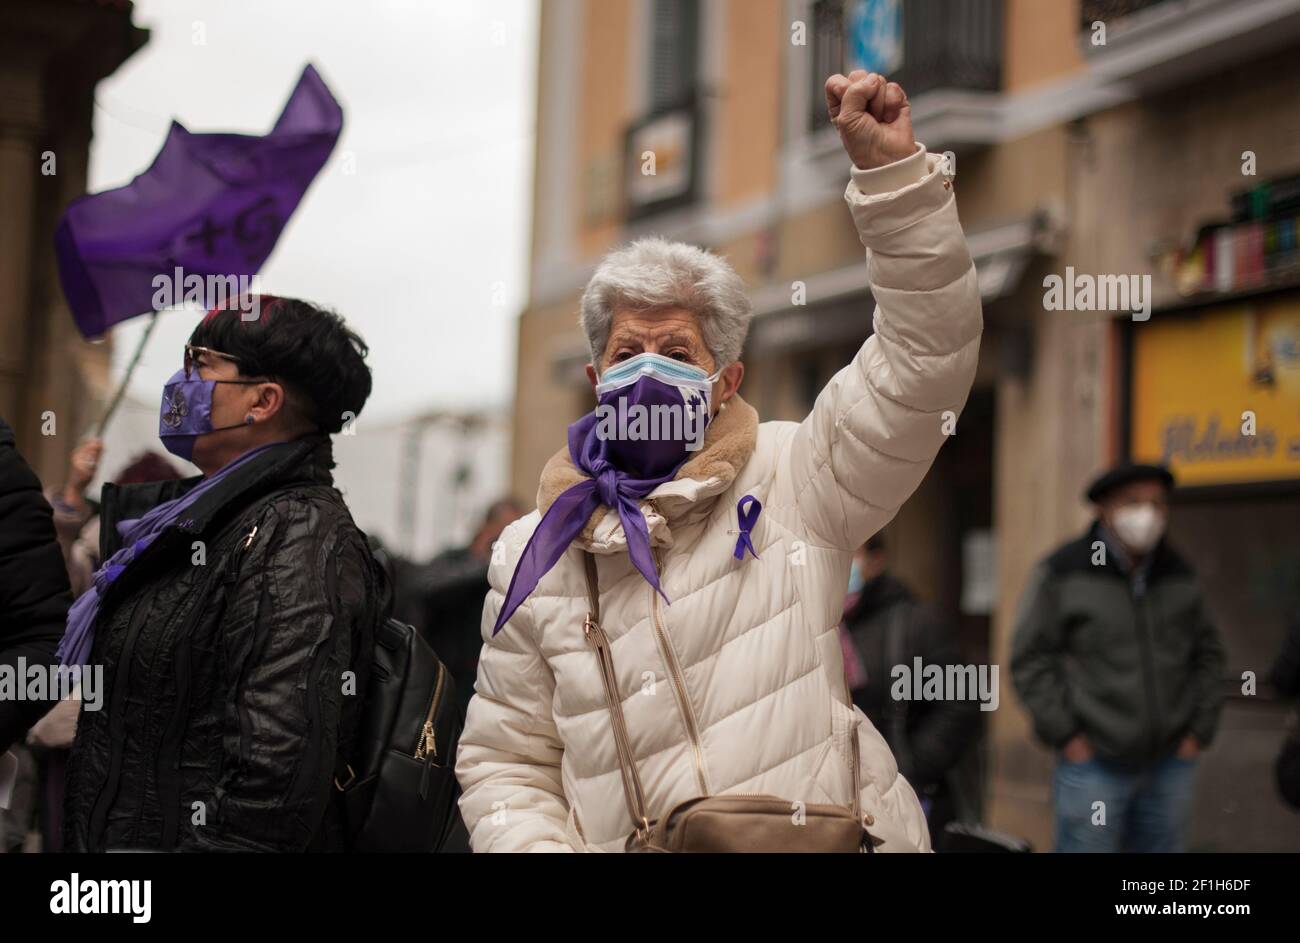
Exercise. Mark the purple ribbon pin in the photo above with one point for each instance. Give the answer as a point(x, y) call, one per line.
point(747, 517)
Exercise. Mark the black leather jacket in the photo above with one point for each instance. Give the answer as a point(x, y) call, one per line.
point(226, 649)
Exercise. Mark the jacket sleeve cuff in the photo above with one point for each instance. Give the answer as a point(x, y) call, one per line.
point(890, 177)
point(1203, 729)
point(919, 189)
point(1062, 739)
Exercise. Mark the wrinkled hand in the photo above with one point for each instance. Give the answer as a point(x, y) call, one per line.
point(873, 117)
point(1078, 749)
point(83, 464)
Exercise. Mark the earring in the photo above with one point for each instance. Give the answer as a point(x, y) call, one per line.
point(248, 420)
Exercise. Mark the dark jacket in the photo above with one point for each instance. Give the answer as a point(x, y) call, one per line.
point(927, 738)
point(444, 600)
point(1285, 675)
point(228, 699)
point(1134, 670)
point(34, 594)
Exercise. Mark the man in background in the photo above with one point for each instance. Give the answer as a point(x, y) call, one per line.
point(444, 598)
point(884, 626)
point(1120, 667)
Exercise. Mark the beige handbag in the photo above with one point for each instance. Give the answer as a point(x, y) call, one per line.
point(727, 823)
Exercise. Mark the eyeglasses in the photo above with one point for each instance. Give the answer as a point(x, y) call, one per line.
point(193, 353)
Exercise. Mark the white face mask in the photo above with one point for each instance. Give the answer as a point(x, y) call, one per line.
point(665, 369)
point(1139, 526)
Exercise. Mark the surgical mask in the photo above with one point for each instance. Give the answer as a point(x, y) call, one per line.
point(186, 412)
point(651, 413)
point(856, 579)
point(1139, 526)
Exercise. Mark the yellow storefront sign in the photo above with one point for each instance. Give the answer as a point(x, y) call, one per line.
point(1216, 394)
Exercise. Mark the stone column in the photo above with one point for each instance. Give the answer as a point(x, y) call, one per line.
point(21, 109)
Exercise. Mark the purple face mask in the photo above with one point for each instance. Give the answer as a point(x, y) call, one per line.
point(649, 428)
point(186, 412)
point(651, 414)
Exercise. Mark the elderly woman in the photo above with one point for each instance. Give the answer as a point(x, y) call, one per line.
point(719, 571)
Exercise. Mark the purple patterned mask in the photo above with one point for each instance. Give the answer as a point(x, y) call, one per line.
point(651, 414)
point(650, 428)
point(186, 412)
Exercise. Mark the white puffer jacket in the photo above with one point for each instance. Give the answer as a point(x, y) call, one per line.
point(737, 685)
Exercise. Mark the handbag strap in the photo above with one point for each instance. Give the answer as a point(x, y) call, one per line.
point(633, 791)
point(856, 749)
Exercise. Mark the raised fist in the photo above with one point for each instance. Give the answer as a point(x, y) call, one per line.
point(873, 117)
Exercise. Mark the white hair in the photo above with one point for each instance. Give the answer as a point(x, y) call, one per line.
point(654, 273)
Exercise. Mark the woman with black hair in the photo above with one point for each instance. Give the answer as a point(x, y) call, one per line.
point(234, 613)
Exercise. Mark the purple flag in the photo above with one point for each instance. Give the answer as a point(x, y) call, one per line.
point(208, 211)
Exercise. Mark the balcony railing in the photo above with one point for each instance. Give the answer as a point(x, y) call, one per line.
point(945, 45)
point(1107, 11)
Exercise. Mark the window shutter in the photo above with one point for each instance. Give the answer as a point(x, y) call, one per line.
point(674, 59)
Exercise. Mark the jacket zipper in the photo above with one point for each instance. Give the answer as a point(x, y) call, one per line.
point(170, 749)
point(426, 748)
point(108, 788)
point(1148, 669)
point(678, 681)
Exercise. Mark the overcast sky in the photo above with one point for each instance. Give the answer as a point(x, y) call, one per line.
point(423, 247)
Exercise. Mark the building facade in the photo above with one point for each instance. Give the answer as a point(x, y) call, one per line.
point(1103, 136)
point(53, 383)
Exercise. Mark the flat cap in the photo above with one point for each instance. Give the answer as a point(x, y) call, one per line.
point(1128, 472)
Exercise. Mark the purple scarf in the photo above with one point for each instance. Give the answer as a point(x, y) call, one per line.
point(564, 520)
point(137, 535)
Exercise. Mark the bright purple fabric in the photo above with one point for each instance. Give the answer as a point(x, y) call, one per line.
point(137, 535)
point(210, 204)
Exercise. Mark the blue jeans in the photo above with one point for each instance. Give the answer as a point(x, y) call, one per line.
point(1143, 810)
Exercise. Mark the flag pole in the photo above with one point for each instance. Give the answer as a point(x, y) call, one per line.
point(126, 378)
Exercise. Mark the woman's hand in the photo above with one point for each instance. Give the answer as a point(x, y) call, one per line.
point(873, 117)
